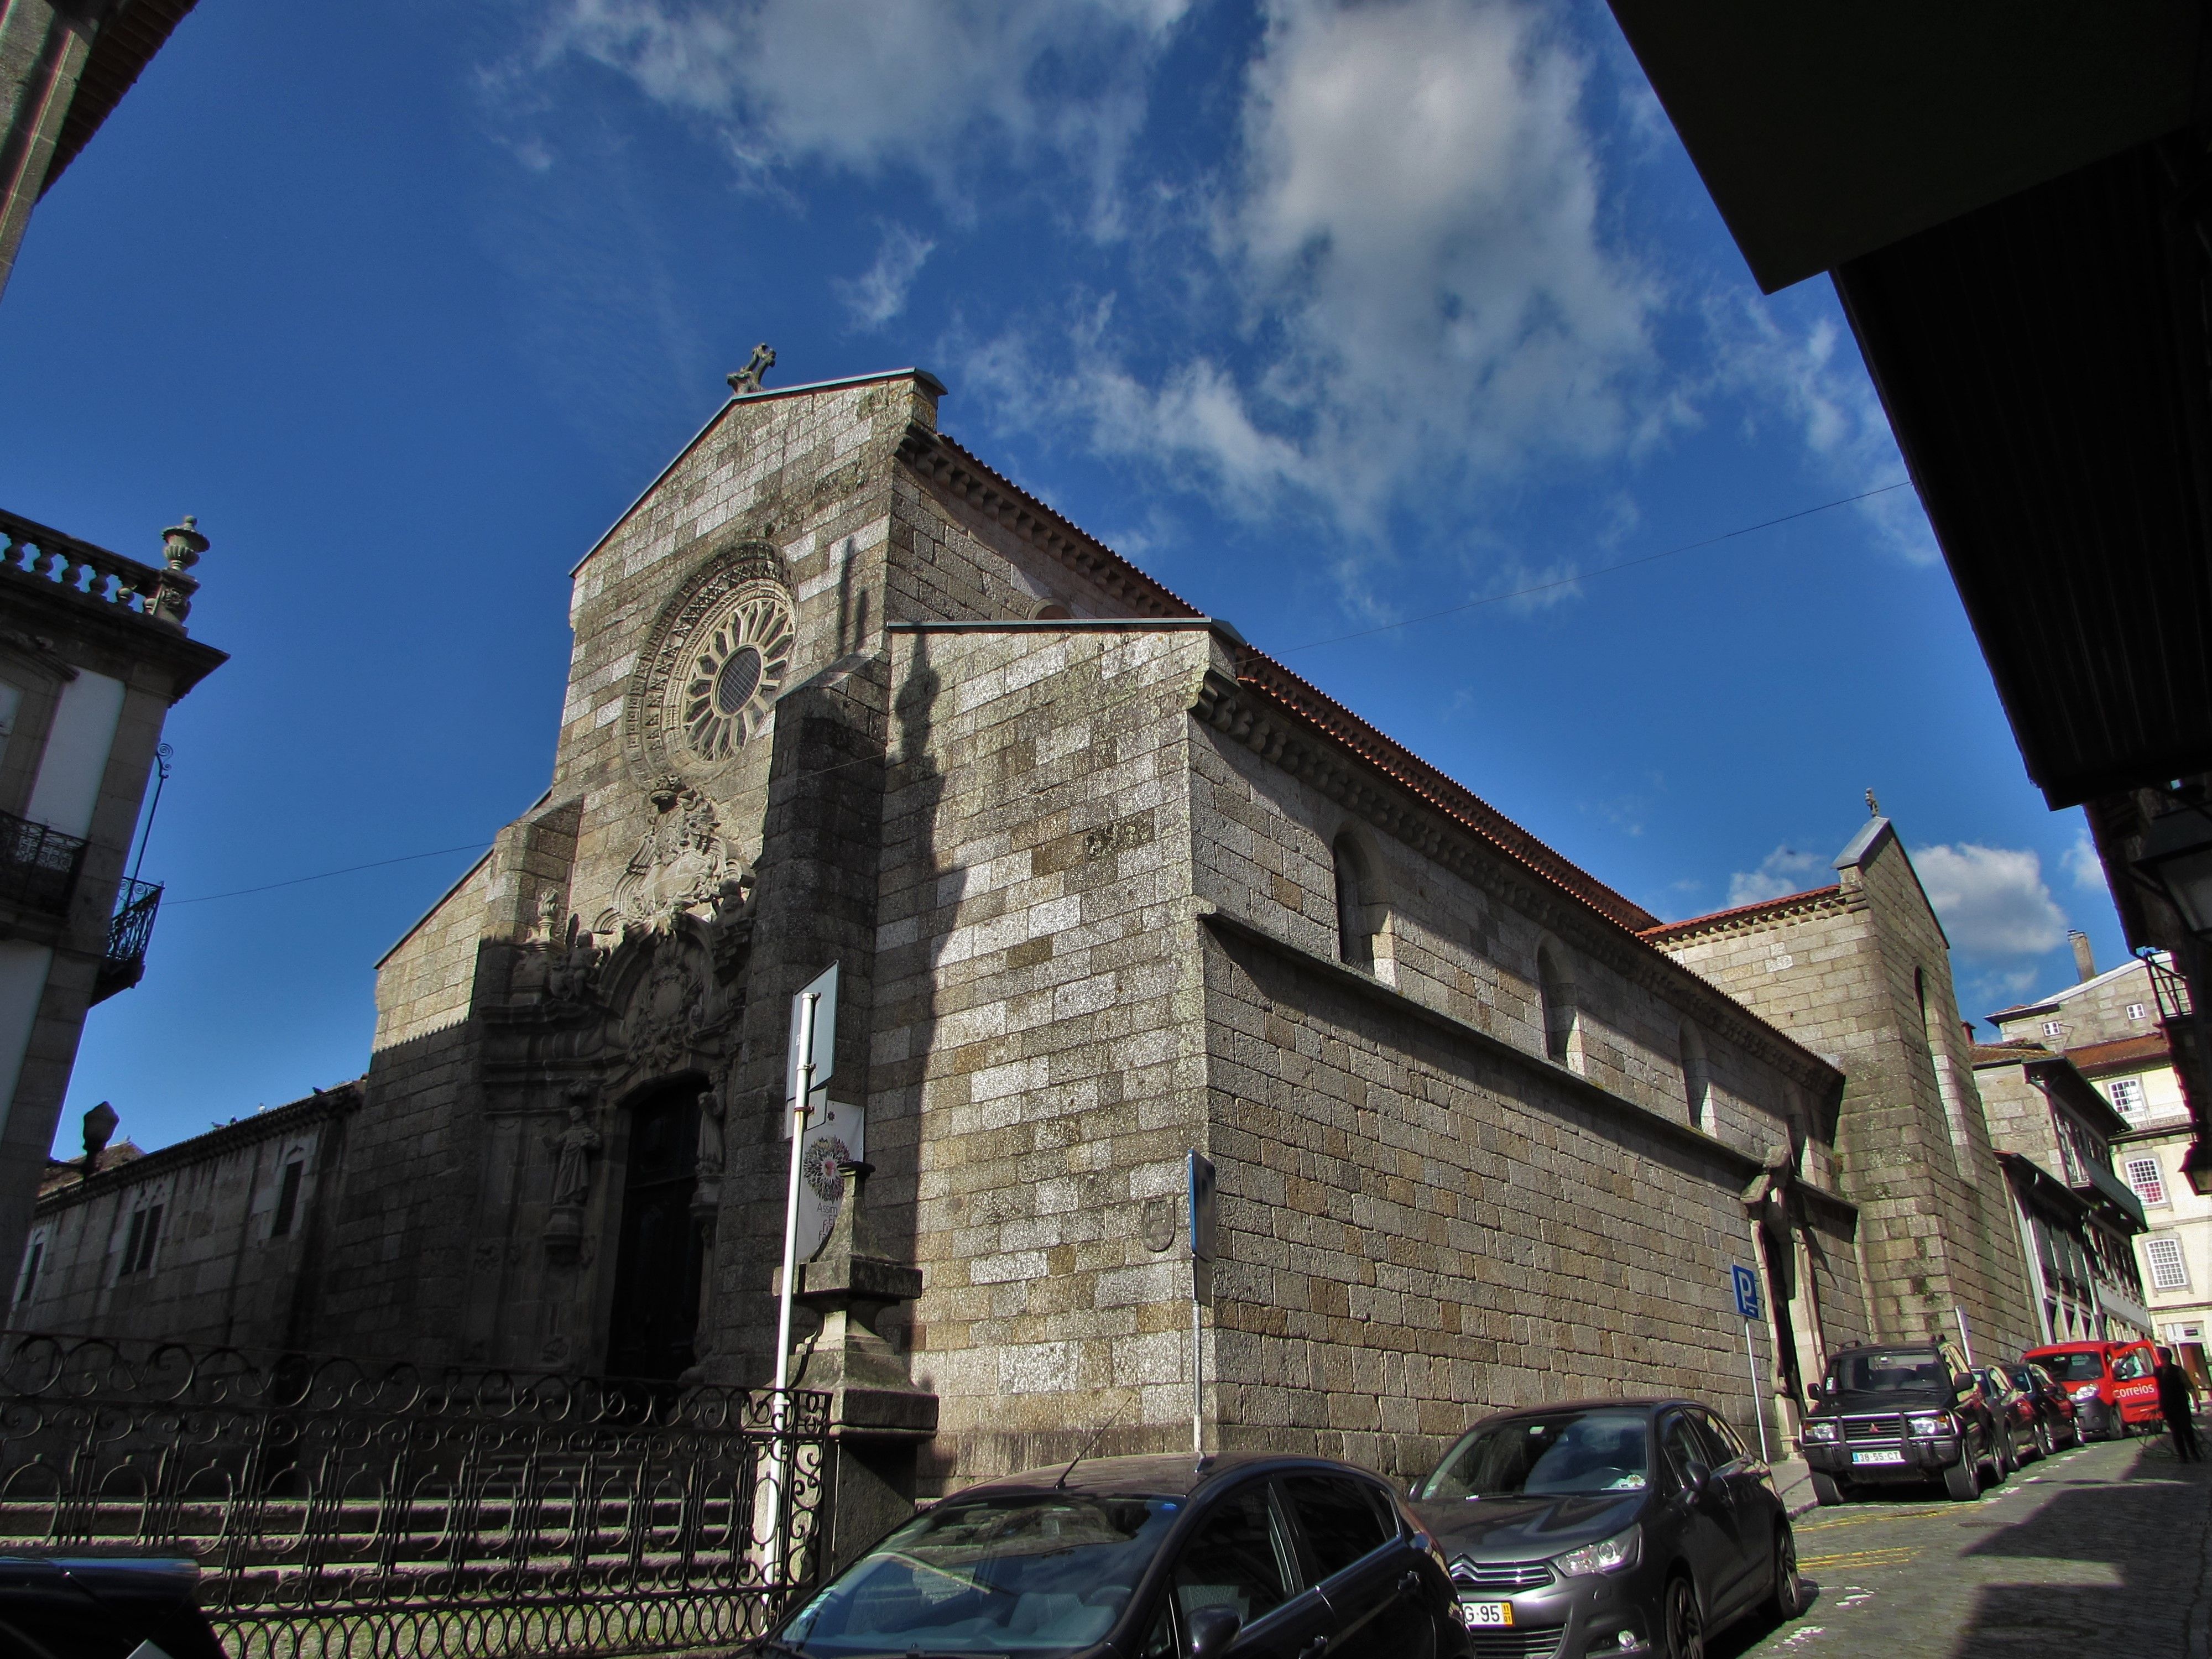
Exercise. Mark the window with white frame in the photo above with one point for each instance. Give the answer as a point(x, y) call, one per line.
point(2127, 1094)
point(2145, 1176)
point(2137, 1011)
point(2168, 1270)
point(2053, 1028)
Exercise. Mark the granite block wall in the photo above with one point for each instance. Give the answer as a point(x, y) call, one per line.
point(1861, 974)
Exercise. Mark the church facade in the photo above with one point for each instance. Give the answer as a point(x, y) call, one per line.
point(1104, 885)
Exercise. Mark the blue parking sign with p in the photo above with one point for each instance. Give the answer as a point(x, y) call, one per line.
point(1746, 1291)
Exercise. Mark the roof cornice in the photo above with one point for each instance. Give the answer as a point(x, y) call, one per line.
point(943, 464)
point(1787, 908)
point(215, 1143)
point(1289, 734)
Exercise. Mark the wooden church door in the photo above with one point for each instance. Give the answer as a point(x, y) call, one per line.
point(661, 1247)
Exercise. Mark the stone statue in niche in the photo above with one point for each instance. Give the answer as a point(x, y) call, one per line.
point(710, 1134)
point(572, 975)
point(573, 1149)
point(680, 863)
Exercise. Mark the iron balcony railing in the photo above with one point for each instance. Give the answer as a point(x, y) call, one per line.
point(37, 865)
point(2172, 990)
point(129, 931)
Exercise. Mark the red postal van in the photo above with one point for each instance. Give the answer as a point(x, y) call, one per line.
point(2111, 1384)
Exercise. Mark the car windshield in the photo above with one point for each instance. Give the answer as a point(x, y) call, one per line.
point(1034, 1574)
point(1890, 1371)
point(1535, 1457)
point(2023, 1378)
point(2074, 1367)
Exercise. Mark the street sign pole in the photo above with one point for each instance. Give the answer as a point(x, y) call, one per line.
point(811, 1020)
point(1758, 1411)
point(807, 1005)
point(1745, 1283)
point(1198, 1191)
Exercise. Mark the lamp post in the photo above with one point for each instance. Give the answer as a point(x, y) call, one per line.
point(2176, 862)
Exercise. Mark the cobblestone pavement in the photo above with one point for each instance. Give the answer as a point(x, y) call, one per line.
point(2103, 1550)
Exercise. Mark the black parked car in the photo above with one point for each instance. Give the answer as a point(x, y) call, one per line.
point(1608, 1527)
point(52, 1608)
point(1146, 1557)
point(1913, 1413)
point(2057, 1420)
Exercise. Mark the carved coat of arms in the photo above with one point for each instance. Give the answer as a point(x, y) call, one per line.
point(681, 863)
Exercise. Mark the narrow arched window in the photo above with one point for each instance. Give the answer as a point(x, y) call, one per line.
point(1557, 989)
point(1696, 1076)
point(1355, 938)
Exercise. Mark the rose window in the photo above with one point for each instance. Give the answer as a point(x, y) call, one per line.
point(736, 672)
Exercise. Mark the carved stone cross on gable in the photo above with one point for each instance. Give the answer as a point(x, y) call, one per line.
point(747, 380)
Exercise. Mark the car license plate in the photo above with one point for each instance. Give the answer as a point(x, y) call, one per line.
point(1890, 1456)
point(1485, 1615)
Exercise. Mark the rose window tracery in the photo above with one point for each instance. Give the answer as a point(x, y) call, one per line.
point(735, 671)
point(717, 659)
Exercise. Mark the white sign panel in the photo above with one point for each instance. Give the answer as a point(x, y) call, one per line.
point(835, 1134)
point(824, 1055)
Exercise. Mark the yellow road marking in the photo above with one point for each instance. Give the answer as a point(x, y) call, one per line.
point(1869, 1520)
point(1894, 1556)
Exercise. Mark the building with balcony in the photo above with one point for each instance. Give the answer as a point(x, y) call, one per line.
point(93, 654)
point(2054, 1134)
point(2113, 1028)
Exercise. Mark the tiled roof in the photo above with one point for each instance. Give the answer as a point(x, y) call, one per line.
point(956, 468)
point(1317, 708)
point(2123, 1054)
point(1999, 1054)
point(1719, 922)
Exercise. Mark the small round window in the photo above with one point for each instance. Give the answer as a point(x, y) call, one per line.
point(740, 678)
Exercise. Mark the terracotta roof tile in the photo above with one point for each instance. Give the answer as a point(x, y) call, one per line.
point(1720, 920)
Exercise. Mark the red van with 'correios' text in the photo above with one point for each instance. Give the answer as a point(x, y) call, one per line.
point(2113, 1385)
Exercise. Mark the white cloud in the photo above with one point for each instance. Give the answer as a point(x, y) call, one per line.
point(1781, 872)
point(1992, 900)
point(2083, 864)
point(1815, 380)
point(1412, 241)
point(864, 86)
point(879, 294)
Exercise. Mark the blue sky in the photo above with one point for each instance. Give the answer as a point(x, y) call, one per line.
point(1332, 318)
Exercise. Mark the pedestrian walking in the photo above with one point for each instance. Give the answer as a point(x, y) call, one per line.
point(2177, 1398)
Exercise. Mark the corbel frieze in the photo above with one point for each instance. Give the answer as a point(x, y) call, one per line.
point(1223, 704)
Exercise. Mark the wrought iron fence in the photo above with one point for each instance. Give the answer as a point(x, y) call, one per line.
point(339, 1510)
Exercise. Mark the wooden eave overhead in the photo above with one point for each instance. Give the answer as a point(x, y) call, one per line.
point(126, 43)
point(1824, 132)
point(2043, 361)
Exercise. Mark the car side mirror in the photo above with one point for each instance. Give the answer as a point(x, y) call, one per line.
point(1212, 1630)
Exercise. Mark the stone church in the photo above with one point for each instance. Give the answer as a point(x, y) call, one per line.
point(1104, 885)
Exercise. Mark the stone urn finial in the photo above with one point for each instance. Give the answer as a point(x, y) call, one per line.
point(182, 543)
point(99, 1129)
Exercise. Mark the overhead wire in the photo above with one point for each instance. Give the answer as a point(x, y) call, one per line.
point(1310, 645)
point(1601, 570)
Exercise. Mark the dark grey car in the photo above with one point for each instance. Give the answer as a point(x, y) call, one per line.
point(1626, 1526)
point(1240, 1556)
